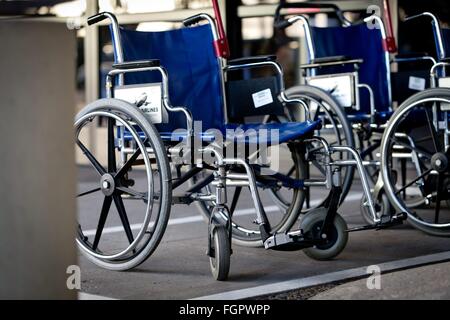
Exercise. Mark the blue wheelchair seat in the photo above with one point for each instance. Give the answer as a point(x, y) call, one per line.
point(264, 133)
point(250, 133)
point(195, 83)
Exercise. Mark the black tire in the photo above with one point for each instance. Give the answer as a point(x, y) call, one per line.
point(333, 108)
point(337, 240)
point(394, 122)
point(220, 263)
point(131, 113)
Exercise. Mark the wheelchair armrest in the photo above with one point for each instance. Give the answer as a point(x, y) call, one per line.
point(136, 64)
point(330, 61)
point(255, 59)
point(413, 57)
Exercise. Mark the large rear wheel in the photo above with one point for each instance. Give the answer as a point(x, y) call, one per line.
point(416, 132)
point(124, 198)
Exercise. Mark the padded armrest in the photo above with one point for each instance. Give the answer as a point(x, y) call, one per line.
point(254, 59)
point(330, 61)
point(411, 55)
point(136, 64)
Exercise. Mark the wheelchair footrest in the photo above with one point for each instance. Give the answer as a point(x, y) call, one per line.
point(292, 241)
point(394, 220)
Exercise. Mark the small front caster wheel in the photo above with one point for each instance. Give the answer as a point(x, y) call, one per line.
point(221, 252)
point(335, 240)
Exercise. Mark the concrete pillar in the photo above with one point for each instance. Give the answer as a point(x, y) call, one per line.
point(37, 170)
point(91, 67)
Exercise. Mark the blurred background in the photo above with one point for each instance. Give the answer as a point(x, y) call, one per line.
point(249, 25)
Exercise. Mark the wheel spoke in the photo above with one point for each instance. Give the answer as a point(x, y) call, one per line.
point(88, 192)
point(334, 143)
point(413, 181)
point(440, 186)
point(80, 233)
point(101, 222)
point(111, 147)
point(317, 165)
point(291, 171)
point(98, 167)
point(316, 114)
point(124, 169)
point(236, 195)
point(308, 197)
point(425, 153)
point(403, 173)
point(123, 217)
point(432, 130)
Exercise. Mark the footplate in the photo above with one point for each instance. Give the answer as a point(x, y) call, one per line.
point(292, 241)
point(395, 220)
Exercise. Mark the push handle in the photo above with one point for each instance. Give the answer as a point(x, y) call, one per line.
point(282, 24)
point(193, 20)
point(413, 17)
point(436, 30)
point(96, 18)
point(117, 43)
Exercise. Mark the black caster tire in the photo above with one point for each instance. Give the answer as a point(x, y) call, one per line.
point(220, 263)
point(336, 240)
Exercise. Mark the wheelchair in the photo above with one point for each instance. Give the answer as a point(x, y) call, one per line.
point(166, 135)
point(351, 63)
point(419, 130)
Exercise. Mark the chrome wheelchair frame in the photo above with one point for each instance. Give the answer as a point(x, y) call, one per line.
point(437, 69)
point(322, 232)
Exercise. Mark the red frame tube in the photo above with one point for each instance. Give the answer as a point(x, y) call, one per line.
point(221, 44)
point(390, 45)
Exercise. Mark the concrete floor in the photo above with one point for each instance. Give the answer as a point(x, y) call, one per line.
point(419, 283)
point(179, 269)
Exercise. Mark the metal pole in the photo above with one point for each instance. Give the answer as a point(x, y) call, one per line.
point(91, 63)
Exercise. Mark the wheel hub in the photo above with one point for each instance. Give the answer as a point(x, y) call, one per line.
point(440, 162)
point(107, 184)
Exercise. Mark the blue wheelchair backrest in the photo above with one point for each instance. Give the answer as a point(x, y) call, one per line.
point(193, 69)
point(358, 42)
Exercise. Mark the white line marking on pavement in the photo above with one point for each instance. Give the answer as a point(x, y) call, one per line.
point(176, 221)
point(348, 274)
point(88, 296)
point(191, 219)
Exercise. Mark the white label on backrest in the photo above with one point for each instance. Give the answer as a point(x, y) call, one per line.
point(147, 97)
point(262, 98)
point(416, 83)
